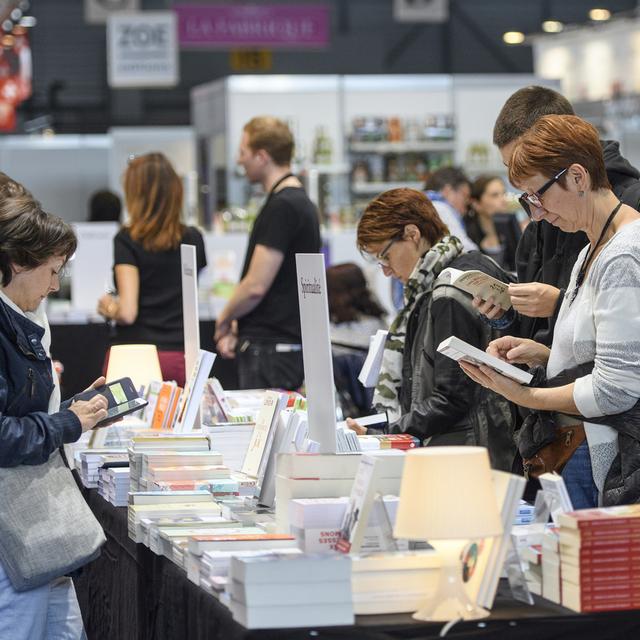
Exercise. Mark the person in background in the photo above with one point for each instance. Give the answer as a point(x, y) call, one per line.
point(147, 308)
point(260, 325)
point(423, 392)
point(488, 198)
point(34, 248)
point(546, 253)
point(559, 162)
point(354, 313)
point(355, 317)
point(104, 206)
point(449, 190)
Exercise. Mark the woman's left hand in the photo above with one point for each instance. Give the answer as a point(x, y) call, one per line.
point(490, 379)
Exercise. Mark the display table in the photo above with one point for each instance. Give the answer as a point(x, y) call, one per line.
point(130, 593)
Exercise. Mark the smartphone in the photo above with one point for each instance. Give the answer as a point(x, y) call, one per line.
point(122, 398)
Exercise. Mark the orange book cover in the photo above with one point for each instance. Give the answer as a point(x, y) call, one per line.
point(162, 405)
point(171, 416)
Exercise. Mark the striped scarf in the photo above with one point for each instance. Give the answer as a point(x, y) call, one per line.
point(386, 396)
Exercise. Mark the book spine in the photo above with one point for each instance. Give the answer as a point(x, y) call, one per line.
point(600, 526)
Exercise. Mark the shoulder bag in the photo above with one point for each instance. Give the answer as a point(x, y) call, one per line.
point(46, 528)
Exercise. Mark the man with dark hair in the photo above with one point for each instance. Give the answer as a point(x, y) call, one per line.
point(260, 324)
point(105, 206)
point(449, 189)
point(545, 255)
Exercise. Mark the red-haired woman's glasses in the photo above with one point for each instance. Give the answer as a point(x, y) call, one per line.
point(528, 200)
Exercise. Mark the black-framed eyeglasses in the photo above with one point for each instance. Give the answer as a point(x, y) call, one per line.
point(382, 258)
point(528, 200)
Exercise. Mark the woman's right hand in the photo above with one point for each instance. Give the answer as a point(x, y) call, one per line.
point(90, 412)
point(354, 426)
point(519, 351)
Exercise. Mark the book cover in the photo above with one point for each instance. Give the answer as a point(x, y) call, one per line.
point(603, 518)
point(478, 284)
point(163, 405)
point(193, 389)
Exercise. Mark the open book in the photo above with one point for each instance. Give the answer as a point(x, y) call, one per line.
point(457, 349)
point(478, 284)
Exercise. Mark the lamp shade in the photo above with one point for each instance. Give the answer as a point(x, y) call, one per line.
point(136, 361)
point(447, 494)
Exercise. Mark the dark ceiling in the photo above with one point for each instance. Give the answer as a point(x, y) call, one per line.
point(69, 56)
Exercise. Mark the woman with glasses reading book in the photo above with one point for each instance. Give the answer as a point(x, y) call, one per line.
point(423, 392)
point(559, 164)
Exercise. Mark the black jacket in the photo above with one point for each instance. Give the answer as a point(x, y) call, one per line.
point(437, 398)
point(28, 434)
point(546, 254)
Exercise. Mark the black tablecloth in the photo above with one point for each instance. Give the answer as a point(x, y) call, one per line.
point(130, 593)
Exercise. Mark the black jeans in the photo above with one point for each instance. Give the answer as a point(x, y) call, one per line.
point(262, 366)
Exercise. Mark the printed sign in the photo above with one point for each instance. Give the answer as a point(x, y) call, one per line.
point(142, 49)
point(276, 26)
point(316, 349)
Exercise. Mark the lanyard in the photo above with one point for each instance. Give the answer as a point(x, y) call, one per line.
point(587, 259)
point(276, 185)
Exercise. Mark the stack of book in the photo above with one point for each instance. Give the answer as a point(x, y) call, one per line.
point(388, 441)
point(327, 475)
point(200, 473)
point(551, 583)
point(533, 573)
point(113, 485)
point(600, 558)
point(276, 590)
point(160, 443)
point(232, 441)
point(525, 514)
point(203, 507)
point(158, 535)
point(394, 582)
point(316, 523)
point(92, 459)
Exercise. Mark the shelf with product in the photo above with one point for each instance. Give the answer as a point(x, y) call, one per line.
point(391, 152)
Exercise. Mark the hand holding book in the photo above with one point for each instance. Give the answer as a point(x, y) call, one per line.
point(519, 351)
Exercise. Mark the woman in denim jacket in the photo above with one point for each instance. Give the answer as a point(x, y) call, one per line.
point(34, 247)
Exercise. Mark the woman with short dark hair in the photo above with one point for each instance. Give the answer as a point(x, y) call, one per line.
point(148, 306)
point(34, 248)
point(422, 391)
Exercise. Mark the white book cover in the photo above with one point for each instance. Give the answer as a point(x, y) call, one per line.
point(478, 284)
point(193, 389)
point(457, 349)
point(256, 458)
point(370, 371)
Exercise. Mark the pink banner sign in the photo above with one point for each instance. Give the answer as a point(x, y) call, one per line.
point(271, 26)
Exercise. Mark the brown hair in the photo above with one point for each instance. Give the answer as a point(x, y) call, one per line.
point(555, 143)
point(440, 178)
point(525, 107)
point(153, 193)
point(272, 135)
point(349, 296)
point(28, 235)
point(387, 215)
point(480, 184)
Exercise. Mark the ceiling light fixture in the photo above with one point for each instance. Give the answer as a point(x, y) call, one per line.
point(513, 37)
point(552, 26)
point(599, 15)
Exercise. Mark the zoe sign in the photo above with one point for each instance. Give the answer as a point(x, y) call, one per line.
point(142, 49)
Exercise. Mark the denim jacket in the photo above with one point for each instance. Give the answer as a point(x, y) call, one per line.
point(28, 434)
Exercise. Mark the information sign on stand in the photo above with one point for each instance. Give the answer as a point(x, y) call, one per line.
point(190, 314)
point(316, 349)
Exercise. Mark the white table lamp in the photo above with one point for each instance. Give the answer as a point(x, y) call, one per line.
point(447, 498)
point(136, 361)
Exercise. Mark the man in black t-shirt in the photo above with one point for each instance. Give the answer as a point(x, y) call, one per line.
point(260, 324)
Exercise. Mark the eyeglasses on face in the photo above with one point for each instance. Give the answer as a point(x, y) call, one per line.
point(528, 200)
point(382, 258)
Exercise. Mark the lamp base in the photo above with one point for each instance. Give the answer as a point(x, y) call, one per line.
point(450, 601)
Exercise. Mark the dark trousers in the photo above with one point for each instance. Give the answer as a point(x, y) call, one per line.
point(262, 366)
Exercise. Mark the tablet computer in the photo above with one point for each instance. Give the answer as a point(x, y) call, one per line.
point(122, 398)
point(460, 350)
